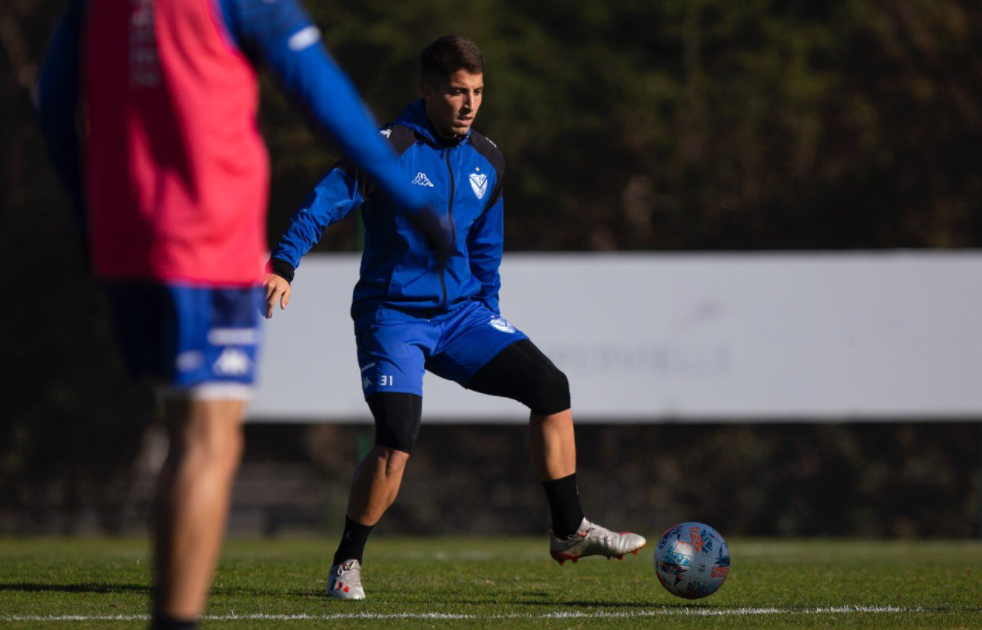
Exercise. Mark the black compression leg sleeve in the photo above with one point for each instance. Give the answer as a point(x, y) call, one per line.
point(397, 419)
point(521, 372)
point(564, 504)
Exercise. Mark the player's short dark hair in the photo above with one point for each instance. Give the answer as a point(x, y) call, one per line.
point(447, 55)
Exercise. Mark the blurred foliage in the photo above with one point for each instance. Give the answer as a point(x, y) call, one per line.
point(694, 124)
point(674, 125)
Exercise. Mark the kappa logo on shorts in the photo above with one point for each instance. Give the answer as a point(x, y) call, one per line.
point(500, 323)
point(232, 362)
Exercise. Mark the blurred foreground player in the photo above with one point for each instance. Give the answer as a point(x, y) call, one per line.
point(414, 312)
point(169, 182)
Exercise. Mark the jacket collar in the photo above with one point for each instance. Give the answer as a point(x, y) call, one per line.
point(414, 117)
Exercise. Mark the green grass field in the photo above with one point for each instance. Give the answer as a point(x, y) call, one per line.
point(503, 583)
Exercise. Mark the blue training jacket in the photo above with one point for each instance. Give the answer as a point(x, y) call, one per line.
point(398, 270)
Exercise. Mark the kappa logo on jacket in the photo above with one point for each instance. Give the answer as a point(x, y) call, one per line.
point(479, 184)
point(422, 180)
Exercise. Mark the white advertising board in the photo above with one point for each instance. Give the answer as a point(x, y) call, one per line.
point(676, 338)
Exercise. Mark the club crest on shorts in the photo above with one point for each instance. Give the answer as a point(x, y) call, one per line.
point(502, 324)
point(479, 184)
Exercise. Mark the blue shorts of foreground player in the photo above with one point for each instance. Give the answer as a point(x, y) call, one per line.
point(198, 341)
point(396, 349)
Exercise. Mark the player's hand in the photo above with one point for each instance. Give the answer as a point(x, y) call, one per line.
point(437, 230)
point(277, 290)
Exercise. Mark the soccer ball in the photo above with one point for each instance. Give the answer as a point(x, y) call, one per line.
point(692, 560)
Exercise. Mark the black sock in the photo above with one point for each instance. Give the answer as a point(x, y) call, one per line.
point(163, 622)
point(564, 503)
point(352, 541)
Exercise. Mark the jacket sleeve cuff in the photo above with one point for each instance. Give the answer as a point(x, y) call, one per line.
point(282, 268)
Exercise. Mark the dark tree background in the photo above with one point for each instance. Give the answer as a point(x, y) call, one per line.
point(632, 125)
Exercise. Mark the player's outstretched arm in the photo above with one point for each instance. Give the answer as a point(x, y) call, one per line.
point(280, 34)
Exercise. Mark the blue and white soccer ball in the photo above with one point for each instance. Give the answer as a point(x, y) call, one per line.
point(692, 560)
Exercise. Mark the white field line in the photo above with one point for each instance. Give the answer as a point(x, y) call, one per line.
point(662, 612)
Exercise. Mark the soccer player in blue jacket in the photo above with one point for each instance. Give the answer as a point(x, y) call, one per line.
point(414, 311)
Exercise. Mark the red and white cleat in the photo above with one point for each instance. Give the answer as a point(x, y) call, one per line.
point(593, 540)
point(344, 581)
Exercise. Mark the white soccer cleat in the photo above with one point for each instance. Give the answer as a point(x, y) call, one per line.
point(593, 540)
point(344, 581)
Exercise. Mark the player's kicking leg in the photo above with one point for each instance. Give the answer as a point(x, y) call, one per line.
point(521, 372)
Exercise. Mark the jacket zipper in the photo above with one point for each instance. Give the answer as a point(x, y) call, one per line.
point(453, 227)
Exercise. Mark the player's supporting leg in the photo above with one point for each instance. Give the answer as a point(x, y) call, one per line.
point(522, 372)
point(375, 486)
point(552, 444)
point(191, 503)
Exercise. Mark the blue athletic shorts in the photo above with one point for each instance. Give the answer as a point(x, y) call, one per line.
point(395, 349)
point(204, 339)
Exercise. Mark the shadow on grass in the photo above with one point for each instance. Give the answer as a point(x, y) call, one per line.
point(30, 587)
point(92, 587)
